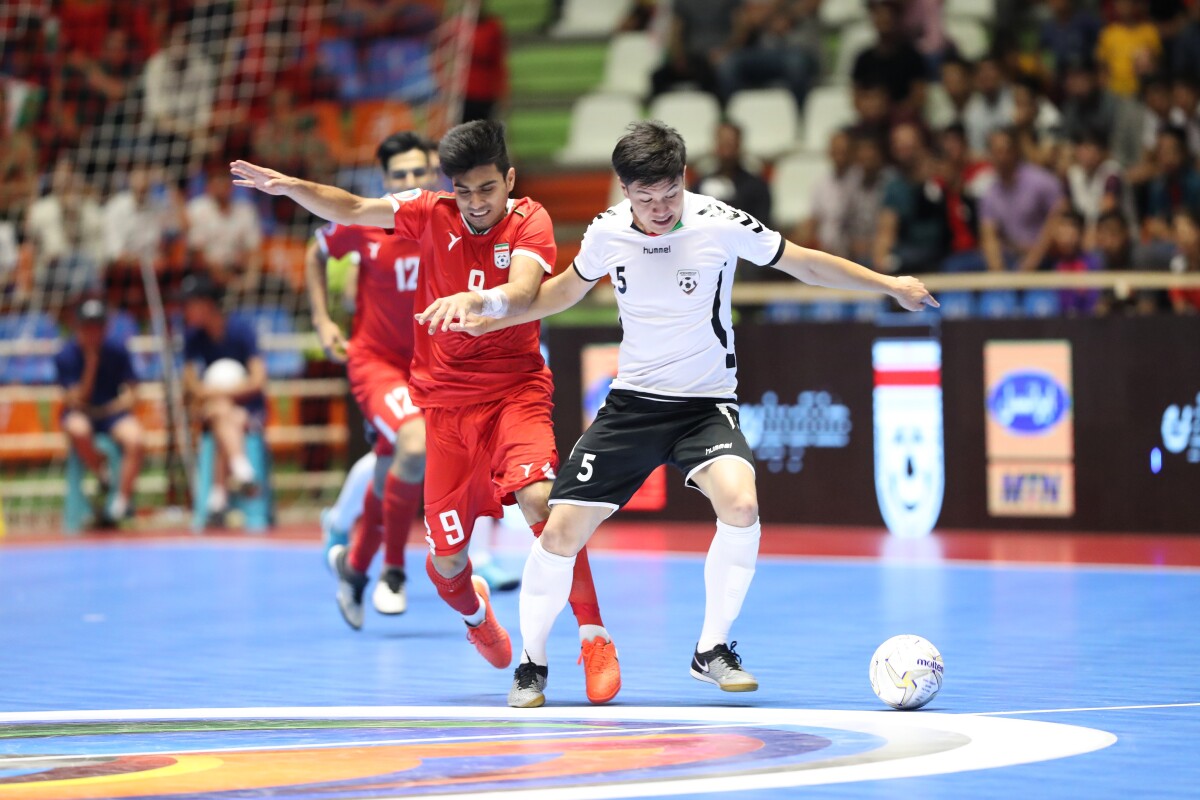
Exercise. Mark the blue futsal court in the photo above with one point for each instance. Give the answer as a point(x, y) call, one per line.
point(220, 668)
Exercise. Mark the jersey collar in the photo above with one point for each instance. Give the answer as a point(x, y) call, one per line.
point(508, 207)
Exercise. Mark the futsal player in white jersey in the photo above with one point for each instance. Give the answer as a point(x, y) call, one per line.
point(671, 255)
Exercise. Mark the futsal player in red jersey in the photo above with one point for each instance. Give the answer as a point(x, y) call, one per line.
point(487, 400)
point(378, 358)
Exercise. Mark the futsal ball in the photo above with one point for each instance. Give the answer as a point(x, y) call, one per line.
point(224, 373)
point(906, 672)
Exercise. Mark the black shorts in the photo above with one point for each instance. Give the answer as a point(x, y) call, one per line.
point(633, 435)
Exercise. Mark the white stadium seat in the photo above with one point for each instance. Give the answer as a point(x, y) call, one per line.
point(837, 13)
point(597, 121)
point(791, 187)
point(982, 10)
point(768, 120)
point(854, 39)
point(632, 58)
point(939, 111)
point(970, 36)
point(694, 114)
point(591, 17)
point(827, 109)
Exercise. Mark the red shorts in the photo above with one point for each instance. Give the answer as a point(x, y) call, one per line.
point(381, 390)
point(478, 456)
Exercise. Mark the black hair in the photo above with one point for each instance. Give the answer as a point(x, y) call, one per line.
point(474, 144)
point(1072, 216)
point(955, 129)
point(1156, 80)
point(649, 153)
point(1176, 133)
point(956, 60)
point(1007, 131)
point(1113, 216)
point(1092, 135)
point(401, 142)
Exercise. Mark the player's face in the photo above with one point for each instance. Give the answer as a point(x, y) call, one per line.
point(409, 170)
point(656, 208)
point(482, 194)
point(91, 335)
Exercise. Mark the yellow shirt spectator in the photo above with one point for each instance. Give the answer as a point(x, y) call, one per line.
point(1127, 51)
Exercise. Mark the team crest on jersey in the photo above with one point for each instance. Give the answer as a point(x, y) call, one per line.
point(688, 279)
point(502, 256)
point(405, 196)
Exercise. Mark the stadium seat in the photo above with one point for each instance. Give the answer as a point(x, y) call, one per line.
point(28, 369)
point(121, 326)
point(939, 111)
point(791, 187)
point(957, 305)
point(694, 114)
point(970, 36)
point(981, 10)
point(854, 39)
point(268, 320)
point(998, 304)
point(597, 121)
point(340, 59)
point(582, 18)
point(631, 58)
point(839, 13)
point(768, 120)
point(1041, 303)
point(76, 508)
point(827, 109)
point(258, 511)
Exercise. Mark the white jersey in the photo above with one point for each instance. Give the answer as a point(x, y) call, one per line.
point(673, 292)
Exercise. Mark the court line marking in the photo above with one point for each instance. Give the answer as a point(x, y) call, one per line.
point(1072, 710)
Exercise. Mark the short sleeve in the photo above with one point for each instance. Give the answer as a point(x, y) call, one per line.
point(331, 240)
point(249, 344)
point(191, 346)
point(535, 240)
point(746, 237)
point(589, 263)
point(987, 207)
point(411, 210)
point(125, 366)
point(893, 196)
point(64, 366)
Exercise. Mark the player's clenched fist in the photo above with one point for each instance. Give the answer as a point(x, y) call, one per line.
point(447, 310)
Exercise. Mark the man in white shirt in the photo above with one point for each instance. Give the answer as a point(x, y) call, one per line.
point(135, 223)
point(671, 256)
point(66, 228)
point(226, 234)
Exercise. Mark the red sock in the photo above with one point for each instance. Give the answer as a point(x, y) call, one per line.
point(368, 535)
point(584, 603)
point(400, 502)
point(458, 592)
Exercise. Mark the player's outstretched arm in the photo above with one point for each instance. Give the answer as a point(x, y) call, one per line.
point(327, 202)
point(824, 269)
point(557, 294)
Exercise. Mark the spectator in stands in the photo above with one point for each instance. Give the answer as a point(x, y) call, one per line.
point(923, 24)
point(640, 17)
point(1187, 240)
point(1157, 105)
point(225, 233)
point(1017, 210)
point(366, 20)
point(1128, 48)
point(18, 184)
point(1181, 51)
point(1176, 187)
point(991, 105)
point(98, 83)
point(139, 220)
point(98, 380)
point(865, 197)
point(913, 235)
point(66, 228)
point(1185, 111)
point(963, 182)
point(1117, 252)
point(731, 182)
point(892, 61)
point(1094, 184)
point(1068, 254)
point(179, 84)
point(229, 413)
point(487, 75)
point(1087, 105)
point(828, 225)
point(700, 31)
point(958, 82)
point(1036, 122)
point(773, 41)
point(874, 111)
point(1068, 36)
point(289, 137)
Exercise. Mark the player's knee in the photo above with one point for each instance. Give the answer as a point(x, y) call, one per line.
point(77, 426)
point(408, 464)
point(450, 565)
point(218, 409)
point(741, 510)
point(534, 501)
point(560, 541)
point(130, 437)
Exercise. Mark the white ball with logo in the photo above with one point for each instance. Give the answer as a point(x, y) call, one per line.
point(906, 672)
point(224, 374)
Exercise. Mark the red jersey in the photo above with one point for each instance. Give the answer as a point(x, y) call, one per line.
point(456, 369)
point(388, 274)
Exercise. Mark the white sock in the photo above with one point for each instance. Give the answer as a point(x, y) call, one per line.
point(480, 545)
point(118, 506)
point(727, 574)
point(476, 619)
point(217, 499)
point(545, 587)
point(348, 506)
point(589, 632)
point(241, 469)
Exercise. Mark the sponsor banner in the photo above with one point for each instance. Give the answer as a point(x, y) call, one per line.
point(910, 473)
point(1031, 489)
point(1029, 428)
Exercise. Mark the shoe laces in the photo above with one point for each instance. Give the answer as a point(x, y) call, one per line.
point(394, 578)
point(728, 655)
point(527, 675)
point(597, 653)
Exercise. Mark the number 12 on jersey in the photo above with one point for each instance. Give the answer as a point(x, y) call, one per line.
point(406, 273)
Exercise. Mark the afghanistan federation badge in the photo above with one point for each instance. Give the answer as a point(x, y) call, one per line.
point(501, 256)
point(688, 279)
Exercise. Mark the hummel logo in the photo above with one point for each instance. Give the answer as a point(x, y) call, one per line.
point(453, 240)
point(716, 447)
point(703, 667)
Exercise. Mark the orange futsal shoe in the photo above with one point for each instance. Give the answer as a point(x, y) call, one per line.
point(489, 638)
point(600, 669)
